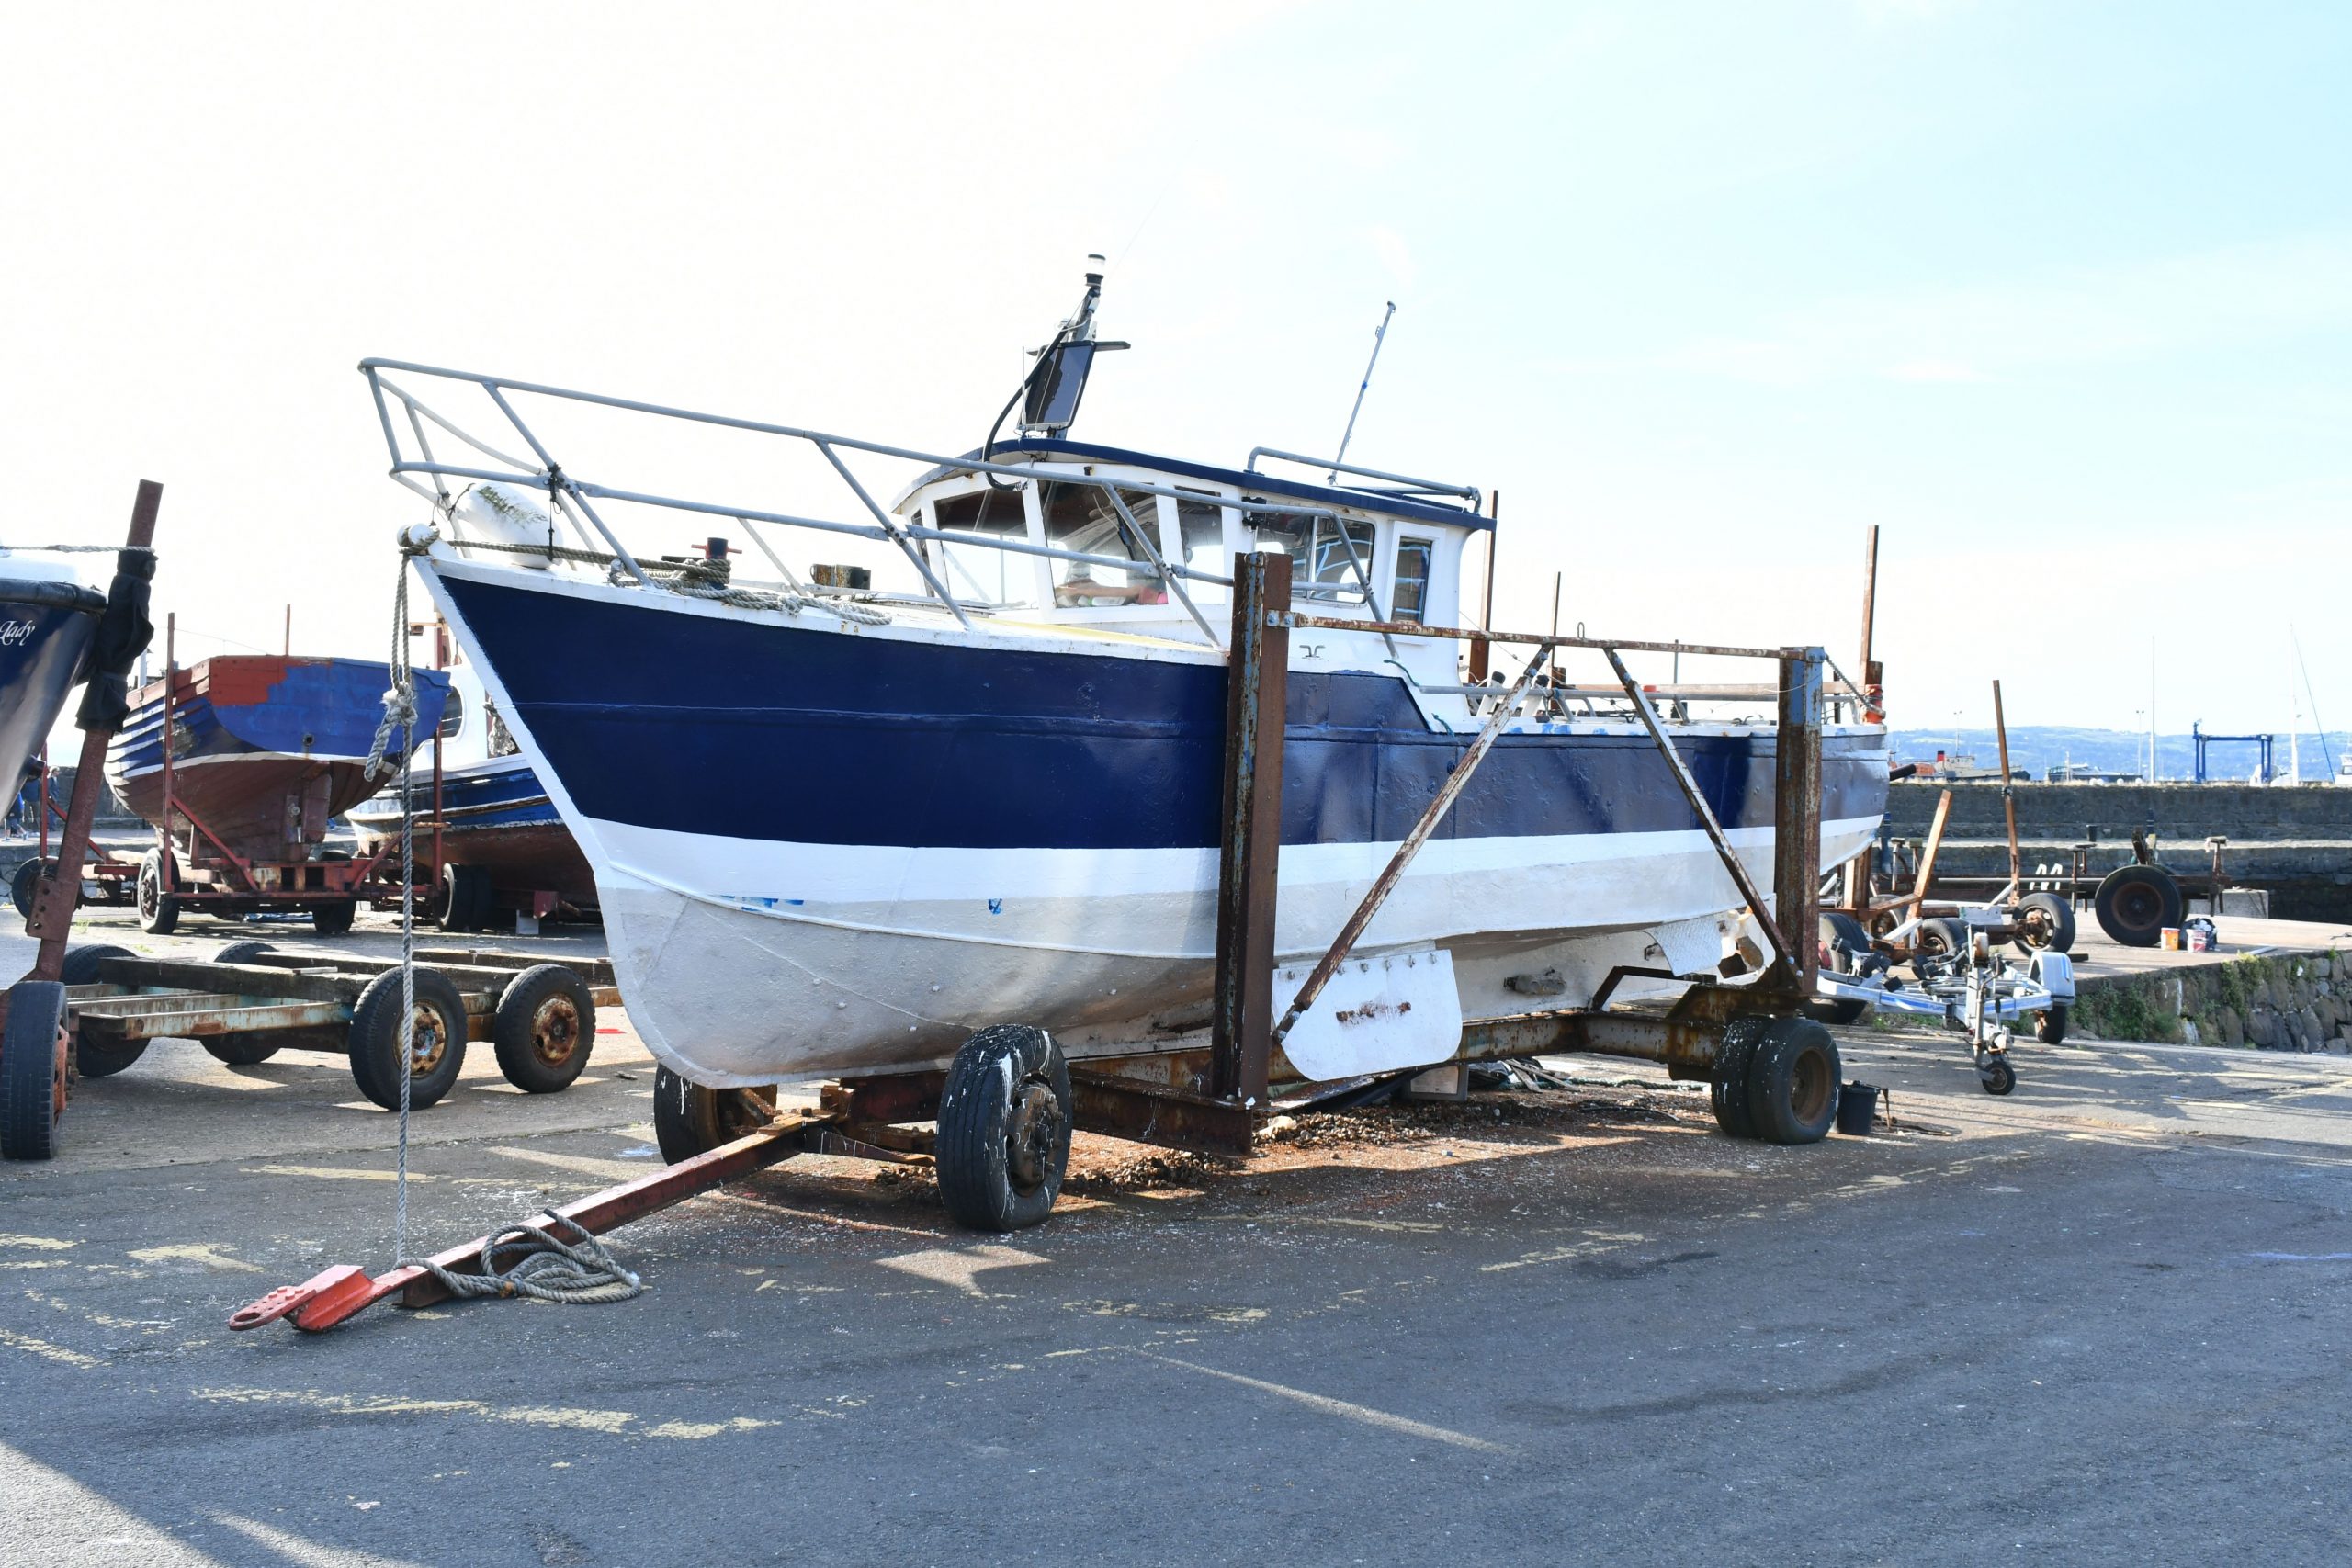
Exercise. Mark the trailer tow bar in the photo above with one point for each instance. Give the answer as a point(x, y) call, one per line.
point(341, 1292)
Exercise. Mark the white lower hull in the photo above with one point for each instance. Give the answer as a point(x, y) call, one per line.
point(748, 961)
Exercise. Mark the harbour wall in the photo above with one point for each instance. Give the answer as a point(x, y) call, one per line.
point(2295, 843)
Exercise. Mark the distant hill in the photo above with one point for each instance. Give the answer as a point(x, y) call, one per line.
point(2036, 748)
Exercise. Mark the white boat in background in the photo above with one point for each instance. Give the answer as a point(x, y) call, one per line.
point(836, 828)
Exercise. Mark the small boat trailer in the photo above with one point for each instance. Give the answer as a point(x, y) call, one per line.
point(996, 1125)
point(250, 1003)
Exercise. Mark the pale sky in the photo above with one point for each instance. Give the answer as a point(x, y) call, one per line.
point(2058, 295)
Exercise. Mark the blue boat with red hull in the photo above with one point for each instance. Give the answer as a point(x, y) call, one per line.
point(264, 754)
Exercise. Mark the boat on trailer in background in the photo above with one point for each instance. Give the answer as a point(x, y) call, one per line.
point(263, 752)
point(503, 846)
point(48, 617)
point(980, 825)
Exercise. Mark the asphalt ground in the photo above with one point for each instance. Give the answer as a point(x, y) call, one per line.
point(2102, 1320)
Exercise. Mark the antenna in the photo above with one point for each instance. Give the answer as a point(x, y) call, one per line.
point(1378, 334)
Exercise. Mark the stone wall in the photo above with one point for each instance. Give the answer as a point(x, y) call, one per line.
point(2286, 1002)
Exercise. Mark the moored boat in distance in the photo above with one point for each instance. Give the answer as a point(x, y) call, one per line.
point(835, 828)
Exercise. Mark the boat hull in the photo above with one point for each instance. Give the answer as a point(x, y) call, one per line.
point(266, 751)
point(496, 815)
point(821, 850)
point(45, 631)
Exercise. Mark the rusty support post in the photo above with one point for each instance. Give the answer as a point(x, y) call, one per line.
point(1256, 703)
point(1482, 651)
point(1796, 812)
point(56, 894)
point(2008, 795)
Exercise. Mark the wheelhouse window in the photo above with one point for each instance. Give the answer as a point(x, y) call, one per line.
point(1199, 533)
point(1411, 595)
point(979, 569)
point(1321, 552)
point(1082, 517)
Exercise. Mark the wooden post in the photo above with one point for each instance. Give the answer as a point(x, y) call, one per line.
point(2009, 797)
point(1249, 859)
point(1796, 811)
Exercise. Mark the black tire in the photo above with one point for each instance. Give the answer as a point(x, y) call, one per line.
point(21, 885)
point(439, 1050)
point(159, 911)
point(1728, 1089)
point(94, 1058)
point(1997, 1074)
point(1004, 1127)
point(1937, 939)
point(335, 919)
point(1793, 1082)
point(465, 900)
point(2136, 902)
point(244, 1049)
point(1843, 942)
point(2049, 1025)
point(690, 1120)
point(2045, 923)
point(544, 1029)
point(242, 952)
point(33, 1070)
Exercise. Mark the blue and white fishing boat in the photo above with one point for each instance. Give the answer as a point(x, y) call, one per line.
point(48, 616)
point(502, 840)
point(837, 825)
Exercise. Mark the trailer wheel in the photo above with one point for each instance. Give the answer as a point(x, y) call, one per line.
point(2136, 902)
point(438, 1053)
point(690, 1120)
point(2049, 1025)
point(242, 952)
point(544, 1029)
point(465, 900)
point(22, 885)
point(1843, 944)
point(244, 1049)
point(93, 1059)
point(2045, 923)
point(33, 1070)
point(1936, 939)
point(1793, 1082)
point(1004, 1126)
point(159, 911)
point(1728, 1089)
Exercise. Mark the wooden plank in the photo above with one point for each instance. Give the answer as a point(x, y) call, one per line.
point(234, 979)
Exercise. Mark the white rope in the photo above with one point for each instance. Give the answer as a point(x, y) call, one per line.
point(546, 1265)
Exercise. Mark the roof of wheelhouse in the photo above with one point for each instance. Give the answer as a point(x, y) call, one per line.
point(1053, 449)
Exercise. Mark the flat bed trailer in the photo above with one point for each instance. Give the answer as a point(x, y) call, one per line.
point(251, 1002)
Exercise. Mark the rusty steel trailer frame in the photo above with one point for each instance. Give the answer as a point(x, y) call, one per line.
point(1213, 1100)
point(309, 995)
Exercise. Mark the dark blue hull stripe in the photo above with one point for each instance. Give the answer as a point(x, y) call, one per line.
point(743, 728)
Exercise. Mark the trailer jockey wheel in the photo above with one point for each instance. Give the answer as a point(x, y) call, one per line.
point(159, 911)
point(1792, 1081)
point(544, 1029)
point(690, 1120)
point(1004, 1127)
point(33, 1070)
point(1993, 1071)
